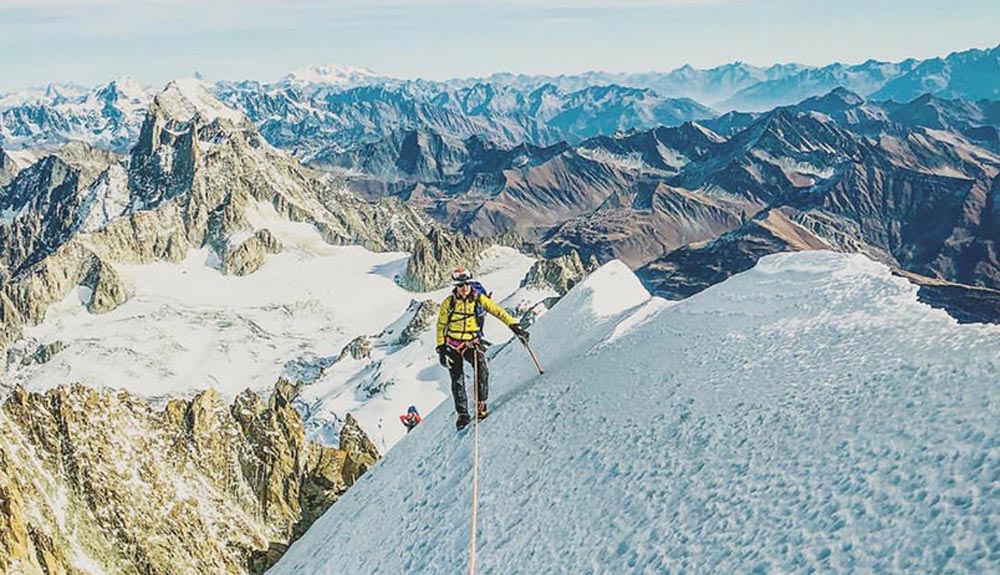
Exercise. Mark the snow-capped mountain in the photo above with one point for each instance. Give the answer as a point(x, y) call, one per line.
point(318, 126)
point(334, 75)
point(307, 112)
point(108, 116)
point(807, 415)
point(200, 176)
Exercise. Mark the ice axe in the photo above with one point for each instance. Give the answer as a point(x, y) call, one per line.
point(531, 352)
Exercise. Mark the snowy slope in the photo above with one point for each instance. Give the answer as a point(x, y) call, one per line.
point(808, 415)
point(378, 389)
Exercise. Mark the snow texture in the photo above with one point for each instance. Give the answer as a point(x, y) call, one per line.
point(809, 415)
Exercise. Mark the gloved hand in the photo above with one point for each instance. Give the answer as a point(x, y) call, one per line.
point(520, 332)
point(443, 358)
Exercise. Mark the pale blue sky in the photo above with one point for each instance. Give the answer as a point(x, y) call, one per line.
point(90, 42)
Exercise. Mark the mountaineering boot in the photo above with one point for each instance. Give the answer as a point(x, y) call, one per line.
point(463, 420)
point(482, 412)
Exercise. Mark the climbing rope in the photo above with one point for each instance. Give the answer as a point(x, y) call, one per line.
point(475, 458)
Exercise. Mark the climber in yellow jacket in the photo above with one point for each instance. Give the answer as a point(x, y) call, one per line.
point(459, 339)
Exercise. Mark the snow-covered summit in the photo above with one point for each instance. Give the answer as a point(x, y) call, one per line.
point(807, 415)
point(331, 74)
point(51, 94)
point(184, 98)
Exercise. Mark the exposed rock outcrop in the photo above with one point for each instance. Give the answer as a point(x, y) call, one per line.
point(247, 257)
point(359, 348)
point(360, 451)
point(436, 255)
point(560, 273)
point(95, 481)
point(108, 289)
point(8, 169)
point(44, 353)
point(11, 321)
point(424, 314)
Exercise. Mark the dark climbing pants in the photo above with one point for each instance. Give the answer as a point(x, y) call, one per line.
point(469, 354)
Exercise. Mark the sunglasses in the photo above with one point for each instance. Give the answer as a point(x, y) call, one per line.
point(463, 284)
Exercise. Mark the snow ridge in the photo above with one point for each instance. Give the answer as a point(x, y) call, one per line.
point(808, 415)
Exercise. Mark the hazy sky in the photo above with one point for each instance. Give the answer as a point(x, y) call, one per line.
point(93, 41)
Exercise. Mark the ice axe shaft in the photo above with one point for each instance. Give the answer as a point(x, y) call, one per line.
point(531, 352)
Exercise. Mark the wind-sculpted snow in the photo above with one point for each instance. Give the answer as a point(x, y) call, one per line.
point(809, 415)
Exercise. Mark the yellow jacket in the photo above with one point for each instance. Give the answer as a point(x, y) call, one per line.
point(462, 324)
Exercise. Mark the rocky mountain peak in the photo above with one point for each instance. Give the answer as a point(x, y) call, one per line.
point(195, 179)
point(42, 179)
point(8, 169)
point(187, 99)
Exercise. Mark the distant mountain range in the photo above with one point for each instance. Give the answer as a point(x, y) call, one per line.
point(909, 184)
point(322, 110)
point(605, 171)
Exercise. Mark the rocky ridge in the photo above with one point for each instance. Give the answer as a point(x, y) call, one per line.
point(99, 481)
point(560, 273)
point(434, 257)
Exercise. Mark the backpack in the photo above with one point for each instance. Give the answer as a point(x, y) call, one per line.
point(479, 290)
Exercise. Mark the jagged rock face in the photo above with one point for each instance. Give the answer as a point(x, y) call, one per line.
point(201, 175)
point(11, 321)
point(359, 348)
point(436, 256)
point(424, 314)
point(107, 289)
point(8, 169)
point(560, 273)
point(163, 161)
point(206, 488)
point(361, 451)
point(247, 257)
point(38, 212)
